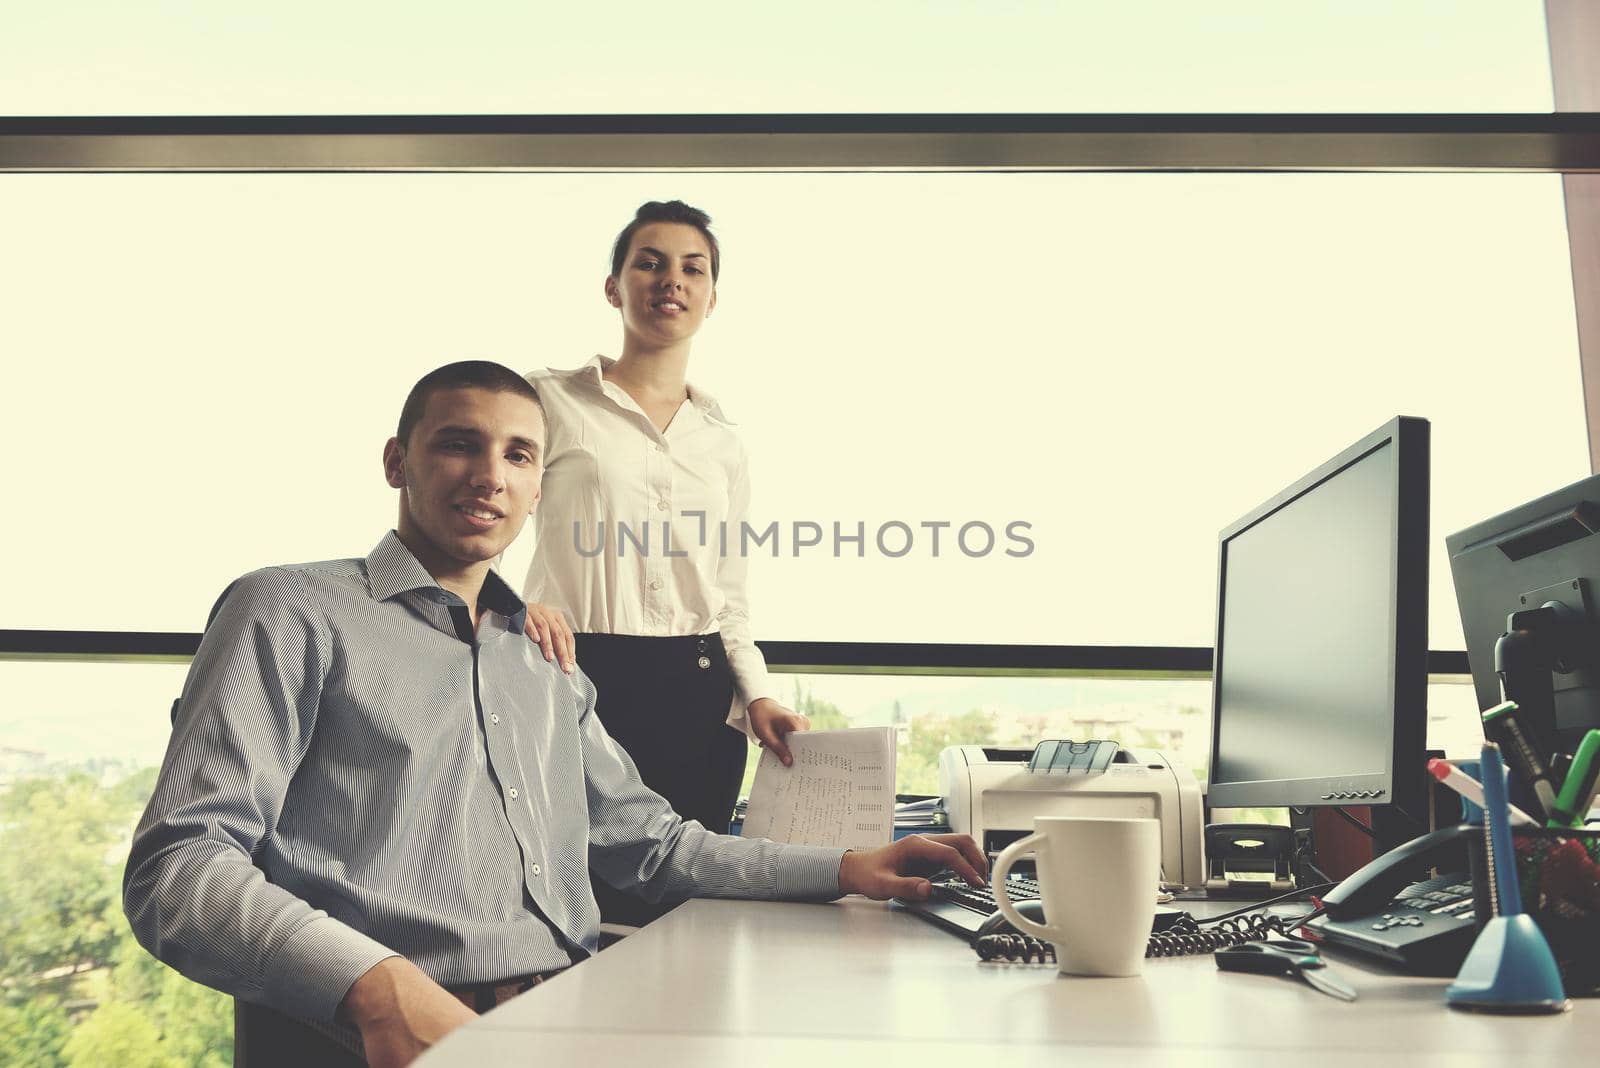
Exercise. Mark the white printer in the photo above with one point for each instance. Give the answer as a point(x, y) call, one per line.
point(991, 794)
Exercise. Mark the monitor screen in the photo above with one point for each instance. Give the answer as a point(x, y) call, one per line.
point(1320, 670)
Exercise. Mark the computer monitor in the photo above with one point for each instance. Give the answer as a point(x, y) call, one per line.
point(1532, 574)
point(1320, 673)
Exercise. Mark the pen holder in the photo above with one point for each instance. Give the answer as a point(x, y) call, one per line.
point(1558, 872)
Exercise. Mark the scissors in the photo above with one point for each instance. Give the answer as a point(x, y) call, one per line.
point(1288, 957)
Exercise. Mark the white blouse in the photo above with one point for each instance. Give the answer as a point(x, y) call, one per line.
point(629, 528)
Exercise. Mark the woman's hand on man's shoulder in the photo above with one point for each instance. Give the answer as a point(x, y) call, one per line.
point(549, 630)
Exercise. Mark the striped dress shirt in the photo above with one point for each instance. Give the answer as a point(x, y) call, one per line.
point(353, 773)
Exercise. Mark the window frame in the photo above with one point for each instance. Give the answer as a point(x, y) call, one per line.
point(1560, 142)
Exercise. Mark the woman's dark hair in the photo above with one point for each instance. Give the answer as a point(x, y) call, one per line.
point(672, 211)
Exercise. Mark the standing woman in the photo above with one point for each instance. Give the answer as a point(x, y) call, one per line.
point(642, 469)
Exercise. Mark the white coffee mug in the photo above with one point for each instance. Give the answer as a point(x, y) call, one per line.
point(1098, 881)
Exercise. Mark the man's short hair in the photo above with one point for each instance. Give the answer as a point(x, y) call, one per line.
point(467, 374)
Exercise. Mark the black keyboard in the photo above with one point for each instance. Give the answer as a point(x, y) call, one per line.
point(1427, 929)
point(961, 909)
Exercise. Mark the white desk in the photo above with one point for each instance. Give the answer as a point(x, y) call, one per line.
point(748, 984)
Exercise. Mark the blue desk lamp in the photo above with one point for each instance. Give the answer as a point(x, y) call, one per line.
point(1510, 968)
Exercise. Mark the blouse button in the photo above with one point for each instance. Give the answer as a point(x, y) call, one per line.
point(661, 506)
point(513, 793)
point(494, 717)
point(655, 584)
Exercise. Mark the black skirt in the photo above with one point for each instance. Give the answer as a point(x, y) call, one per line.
point(670, 714)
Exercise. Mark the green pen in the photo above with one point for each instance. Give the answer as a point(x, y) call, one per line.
point(1578, 788)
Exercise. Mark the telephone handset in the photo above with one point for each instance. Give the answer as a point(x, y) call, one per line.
point(1368, 891)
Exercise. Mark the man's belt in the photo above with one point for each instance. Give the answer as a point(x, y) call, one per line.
point(481, 997)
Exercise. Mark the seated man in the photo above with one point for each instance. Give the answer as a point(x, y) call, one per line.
point(380, 803)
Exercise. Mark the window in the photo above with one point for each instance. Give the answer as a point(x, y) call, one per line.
point(94, 57)
point(1173, 715)
point(1085, 376)
point(81, 746)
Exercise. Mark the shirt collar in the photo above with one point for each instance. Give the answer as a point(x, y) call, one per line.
point(393, 570)
point(702, 401)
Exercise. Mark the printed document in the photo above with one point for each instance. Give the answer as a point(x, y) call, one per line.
point(840, 791)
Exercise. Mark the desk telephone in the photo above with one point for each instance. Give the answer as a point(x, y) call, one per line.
point(1426, 927)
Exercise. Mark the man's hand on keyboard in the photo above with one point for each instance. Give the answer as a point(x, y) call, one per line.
point(898, 870)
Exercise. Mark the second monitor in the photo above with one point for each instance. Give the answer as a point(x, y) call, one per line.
point(1319, 691)
point(1526, 582)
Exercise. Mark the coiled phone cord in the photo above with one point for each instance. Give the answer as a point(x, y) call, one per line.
point(1186, 935)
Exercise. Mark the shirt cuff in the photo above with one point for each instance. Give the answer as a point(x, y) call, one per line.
point(751, 686)
point(316, 966)
point(739, 710)
point(808, 873)
point(739, 717)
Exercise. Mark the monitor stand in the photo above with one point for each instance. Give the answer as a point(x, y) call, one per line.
point(1539, 644)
